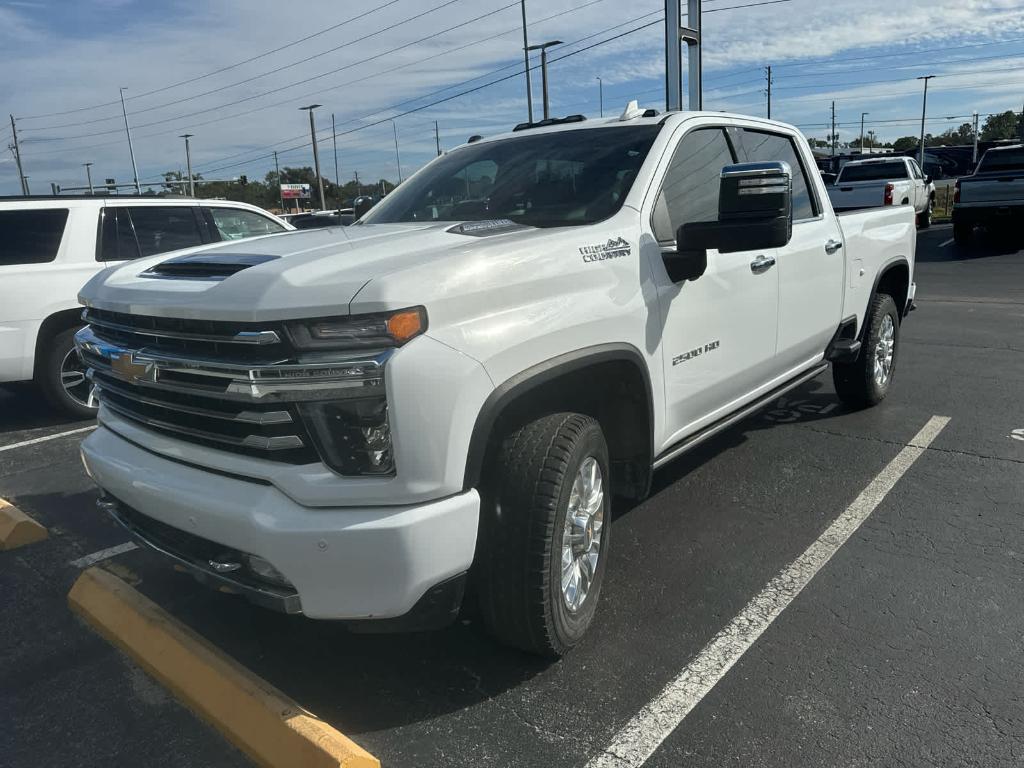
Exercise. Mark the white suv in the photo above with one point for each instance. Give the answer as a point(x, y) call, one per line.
point(50, 247)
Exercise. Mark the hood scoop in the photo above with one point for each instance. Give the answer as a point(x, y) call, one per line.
point(206, 266)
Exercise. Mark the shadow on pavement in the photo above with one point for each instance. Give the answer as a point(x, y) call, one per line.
point(21, 407)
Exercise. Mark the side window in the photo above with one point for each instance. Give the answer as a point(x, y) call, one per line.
point(762, 147)
point(689, 192)
point(163, 228)
point(117, 240)
point(31, 237)
point(237, 224)
point(916, 170)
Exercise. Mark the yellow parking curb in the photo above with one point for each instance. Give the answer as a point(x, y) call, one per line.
point(18, 529)
point(256, 717)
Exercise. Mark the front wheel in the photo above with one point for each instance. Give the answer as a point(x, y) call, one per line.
point(60, 375)
point(867, 380)
point(544, 533)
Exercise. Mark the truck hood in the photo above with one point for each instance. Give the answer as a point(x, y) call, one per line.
point(303, 274)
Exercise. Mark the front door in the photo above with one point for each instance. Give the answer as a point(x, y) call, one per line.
point(717, 332)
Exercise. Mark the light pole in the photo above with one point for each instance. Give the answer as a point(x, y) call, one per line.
point(924, 113)
point(127, 130)
point(316, 153)
point(398, 157)
point(526, 57)
point(862, 116)
point(600, 94)
point(337, 175)
point(188, 163)
point(88, 176)
point(543, 48)
point(277, 170)
point(974, 157)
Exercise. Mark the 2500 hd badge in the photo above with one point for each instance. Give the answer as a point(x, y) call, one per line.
point(711, 346)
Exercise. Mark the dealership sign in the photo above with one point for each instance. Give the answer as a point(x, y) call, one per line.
point(291, 191)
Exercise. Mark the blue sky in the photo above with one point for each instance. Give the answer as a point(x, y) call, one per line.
point(185, 70)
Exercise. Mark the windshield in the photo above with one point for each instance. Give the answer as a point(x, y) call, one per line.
point(874, 172)
point(1003, 160)
point(559, 179)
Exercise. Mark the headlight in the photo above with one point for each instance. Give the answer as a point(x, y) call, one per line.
point(384, 329)
point(352, 436)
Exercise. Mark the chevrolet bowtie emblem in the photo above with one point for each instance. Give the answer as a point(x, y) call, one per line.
point(127, 367)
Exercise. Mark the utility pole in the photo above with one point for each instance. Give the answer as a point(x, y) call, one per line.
point(924, 114)
point(862, 114)
point(398, 157)
point(769, 91)
point(974, 156)
point(526, 57)
point(88, 177)
point(131, 151)
point(337, 173)
point(674, 33)
point(17, 159)
point(600, 94)
point(188, 164)
point(359, 189)
point(833, 142)
point(437, 138)
point(316, 154)
point(277, 170)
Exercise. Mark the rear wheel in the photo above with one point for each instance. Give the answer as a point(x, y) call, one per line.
point(544, 535)
point(924, 218)
point(867, 380)
point(962, 233)
point(60, 375)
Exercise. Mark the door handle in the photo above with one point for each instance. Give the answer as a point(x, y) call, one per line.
point(761, 264)
point(833, 245)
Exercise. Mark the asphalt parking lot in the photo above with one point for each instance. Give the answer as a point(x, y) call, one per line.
point(904, 649)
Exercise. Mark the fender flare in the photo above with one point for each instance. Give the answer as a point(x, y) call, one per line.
point(522, 383)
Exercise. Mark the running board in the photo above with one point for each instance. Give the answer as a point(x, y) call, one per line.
point(724, 423)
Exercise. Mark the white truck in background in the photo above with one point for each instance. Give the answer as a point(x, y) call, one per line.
point(880, 181)
point(351, 423)
point(993, 196)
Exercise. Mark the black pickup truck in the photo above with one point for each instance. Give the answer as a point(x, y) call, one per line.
point(993, 196)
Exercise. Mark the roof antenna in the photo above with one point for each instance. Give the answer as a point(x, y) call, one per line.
point(631, 111)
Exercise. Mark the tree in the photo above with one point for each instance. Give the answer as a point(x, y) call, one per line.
point(1001, 126)
point(905, 143)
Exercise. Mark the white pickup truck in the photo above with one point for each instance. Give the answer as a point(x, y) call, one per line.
point(993, 196)
point(879, 181)
point(350, 423)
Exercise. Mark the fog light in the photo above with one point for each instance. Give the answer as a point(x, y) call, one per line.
point(264, 570)
point(352, 436)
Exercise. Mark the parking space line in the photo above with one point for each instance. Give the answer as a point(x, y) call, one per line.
point(43, 439)
point(260, 720)
point(948, 242)
point(644, 733)
point(104, 554)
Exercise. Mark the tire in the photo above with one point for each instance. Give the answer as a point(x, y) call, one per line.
point(859, 384)
point(528, 493)
point(924, 218)
point(962, 233)
point(57, 360)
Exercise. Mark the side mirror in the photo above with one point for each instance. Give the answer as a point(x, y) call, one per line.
point(927, 179)
point(361, 206)
point(755, 210)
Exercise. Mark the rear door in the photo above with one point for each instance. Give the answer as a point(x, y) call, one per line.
point(717, 332)
point(811, 267)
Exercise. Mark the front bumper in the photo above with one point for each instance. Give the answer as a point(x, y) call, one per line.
point(367, 562)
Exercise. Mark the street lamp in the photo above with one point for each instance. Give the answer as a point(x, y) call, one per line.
point(600, 94)
point(188, 163)
point(316, 154)
point(862, 115)
point(398, 157)
point(924, 112)
point(543, 48)
point(88, 176)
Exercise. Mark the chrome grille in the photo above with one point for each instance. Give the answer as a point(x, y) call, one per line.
point(234, 387)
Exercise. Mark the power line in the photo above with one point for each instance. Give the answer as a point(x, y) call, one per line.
point(222, 69)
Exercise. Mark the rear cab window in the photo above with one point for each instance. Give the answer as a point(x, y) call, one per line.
point(763, 146)
point(31, 236)
point(896, 169)
point(1003, 160)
